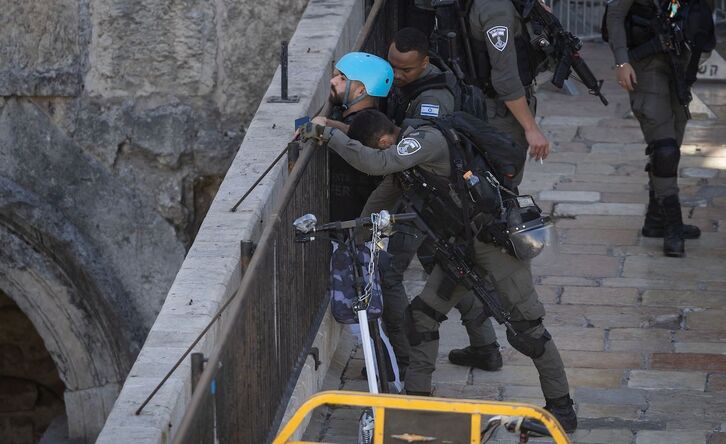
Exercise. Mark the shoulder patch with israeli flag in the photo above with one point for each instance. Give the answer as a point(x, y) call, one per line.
point(498, 36)
point(429, 110)
point(408, 146)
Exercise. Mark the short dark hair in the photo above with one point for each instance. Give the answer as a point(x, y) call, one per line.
point(370, 125)
point(411, 39)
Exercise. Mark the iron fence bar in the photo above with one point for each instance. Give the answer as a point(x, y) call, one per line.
point(247, 282)
point(247, 286)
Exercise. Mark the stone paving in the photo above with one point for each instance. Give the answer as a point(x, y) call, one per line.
point(643, 336)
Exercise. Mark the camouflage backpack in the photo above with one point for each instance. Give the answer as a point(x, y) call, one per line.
point(342, 284)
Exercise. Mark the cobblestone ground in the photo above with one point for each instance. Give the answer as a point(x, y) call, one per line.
point(643, 336)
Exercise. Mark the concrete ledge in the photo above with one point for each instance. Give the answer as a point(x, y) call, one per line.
point(211, 272)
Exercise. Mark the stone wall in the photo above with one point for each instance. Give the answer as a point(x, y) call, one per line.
point(211, 270)
point(118, 120)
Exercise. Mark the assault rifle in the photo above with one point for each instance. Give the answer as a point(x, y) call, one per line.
point(458, 265)
point(563, 47)
point(669, 39)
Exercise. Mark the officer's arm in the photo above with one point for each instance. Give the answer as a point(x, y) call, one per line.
point(384, 197)
point(407, 154)
point(617, 11)
point(431, 103)
point(496, 24)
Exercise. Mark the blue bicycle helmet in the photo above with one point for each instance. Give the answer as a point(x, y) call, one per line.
point(372, 71)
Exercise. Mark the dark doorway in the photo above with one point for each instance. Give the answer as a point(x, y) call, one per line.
point(31, 392)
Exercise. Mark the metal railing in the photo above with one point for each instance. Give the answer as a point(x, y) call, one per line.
point(581, 17)
point(245, 387)
point(242, 393)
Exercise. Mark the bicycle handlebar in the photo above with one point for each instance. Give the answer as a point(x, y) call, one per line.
point(308, 223)
point(362, 221)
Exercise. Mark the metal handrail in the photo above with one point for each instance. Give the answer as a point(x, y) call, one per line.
point(381, 402)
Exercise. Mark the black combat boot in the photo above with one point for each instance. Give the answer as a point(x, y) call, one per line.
point(653, 225)
point(486, 357)
point(673, 243)
point(561, 408)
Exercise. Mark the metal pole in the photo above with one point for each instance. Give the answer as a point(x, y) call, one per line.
point(197, 369)
point(283, 70)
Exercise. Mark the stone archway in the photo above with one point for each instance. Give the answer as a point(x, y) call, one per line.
point(61, 285)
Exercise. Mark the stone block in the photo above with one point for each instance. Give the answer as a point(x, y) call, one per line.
point(586, 168)
point(508, 375)
point(578, 265)
point(570, 196)
point(624, 198)
point(602, 209)
point(710, 319)
point(599, 296)
point(717, 438)
point(464, 391)
point(602, 222)
point(604, 187)
point(700, 173)
point(583, 249)
point(602, 436)
point(624, 412)
point(716, 382)
point(654, 379)
point(599, 359)
point(715, 348)
point(597, 378)
point(688, 361)
point(570, 121)
point(683, 299)
point(568, 280)
point(577, 338)
point(599, 237)
point(619, 150)
point(547, 294)
point(603, 134)
point(648, 283)
point(670, 437)
point(569, 147)
point(617, 396)
point(640, 340)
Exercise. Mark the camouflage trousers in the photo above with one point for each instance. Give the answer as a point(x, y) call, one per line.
point(402, 247)
point(513, 281)
point(655, 104)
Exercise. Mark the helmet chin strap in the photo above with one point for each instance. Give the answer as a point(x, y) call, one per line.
point(346, 105)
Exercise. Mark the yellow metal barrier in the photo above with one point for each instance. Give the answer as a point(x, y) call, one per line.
point(381, 402)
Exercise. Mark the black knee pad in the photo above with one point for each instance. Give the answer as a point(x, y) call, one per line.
point(664, 157)
point(414, 336)
point(526, 344)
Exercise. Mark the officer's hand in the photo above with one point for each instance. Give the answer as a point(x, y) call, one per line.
point(320, 120)
point(626, 76)
point(539, 146)
point(319, 133)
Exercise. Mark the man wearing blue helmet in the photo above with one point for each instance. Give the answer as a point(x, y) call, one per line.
point(358, 81)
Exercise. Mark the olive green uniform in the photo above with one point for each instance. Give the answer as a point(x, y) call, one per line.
point(428, 103)
point(654, 101)
point(495, 24)
point(427, 149)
